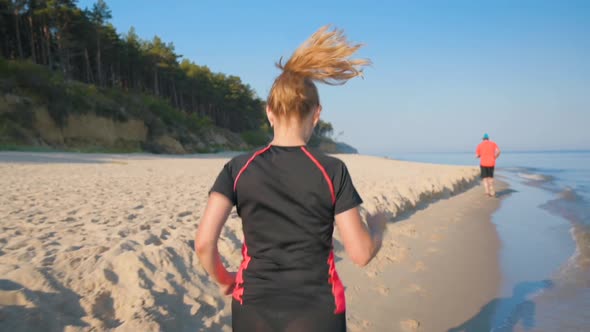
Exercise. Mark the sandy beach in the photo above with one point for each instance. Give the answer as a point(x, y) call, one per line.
point(105, 242)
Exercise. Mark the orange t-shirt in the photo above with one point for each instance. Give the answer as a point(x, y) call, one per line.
point(486, 151)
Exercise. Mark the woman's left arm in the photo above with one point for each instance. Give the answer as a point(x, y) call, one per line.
point(212, 221)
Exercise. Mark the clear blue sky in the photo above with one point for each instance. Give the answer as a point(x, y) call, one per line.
point(444, 72)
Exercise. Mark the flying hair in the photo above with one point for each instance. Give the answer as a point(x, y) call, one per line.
point(326, 58)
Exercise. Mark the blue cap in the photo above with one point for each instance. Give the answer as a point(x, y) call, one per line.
point(486, 136)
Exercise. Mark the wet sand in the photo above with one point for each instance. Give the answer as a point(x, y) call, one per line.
point(438, 269)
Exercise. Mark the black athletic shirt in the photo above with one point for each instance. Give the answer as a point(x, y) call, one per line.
point(287, 198)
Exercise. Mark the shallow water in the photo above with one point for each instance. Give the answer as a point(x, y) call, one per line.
point(544, 227)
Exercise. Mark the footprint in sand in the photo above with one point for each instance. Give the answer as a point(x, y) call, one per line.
point(46, 236)
point(415, 288)
point(435, 237)
point(432, 250)
point(74, 263)
point(103, 309)
point(28, 255)
point(184, 214)
point(371, 274)
point(70, 219)
point(409, 231)
point(419, 266)
point(383, 290)
point(398, 255)
point(355, 325)
point(17, 246)
point(111, 276)
point(48, 260)
point(164, 234)
point(74, 248)
point(194, 305)
point(152, 240)
point(409, 325)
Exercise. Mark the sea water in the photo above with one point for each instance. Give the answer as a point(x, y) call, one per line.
point(544, 228)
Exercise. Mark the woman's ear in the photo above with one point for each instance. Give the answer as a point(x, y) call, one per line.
point(316, 115)
point(270, 116)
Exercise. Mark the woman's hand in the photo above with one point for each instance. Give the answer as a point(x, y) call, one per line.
point(376, 224)
point(361, 242)
point(227, 286)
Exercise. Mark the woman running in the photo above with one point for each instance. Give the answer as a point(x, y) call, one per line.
point(289, 197)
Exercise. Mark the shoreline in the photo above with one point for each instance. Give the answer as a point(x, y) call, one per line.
point(437, 270)
point(555, 283)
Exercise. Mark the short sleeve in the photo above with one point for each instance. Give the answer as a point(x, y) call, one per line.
point(346, 195)
point(224, 184)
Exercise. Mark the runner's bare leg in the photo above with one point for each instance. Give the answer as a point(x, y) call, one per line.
point(491, 186)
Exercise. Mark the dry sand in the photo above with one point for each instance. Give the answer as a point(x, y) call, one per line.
point(99, 242)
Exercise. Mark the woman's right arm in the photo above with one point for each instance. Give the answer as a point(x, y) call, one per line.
point(361, 242)
point(216, 213)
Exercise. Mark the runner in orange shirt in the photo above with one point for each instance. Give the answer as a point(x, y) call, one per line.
point(488, 152)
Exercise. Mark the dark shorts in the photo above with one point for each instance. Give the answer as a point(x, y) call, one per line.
point(248, 317)
point(487, 172)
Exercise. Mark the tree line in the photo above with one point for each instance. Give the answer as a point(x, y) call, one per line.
point(84, 46)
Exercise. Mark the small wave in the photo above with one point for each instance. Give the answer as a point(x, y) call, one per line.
point(570, 195)
point(535, 177)
point(570, 205)
point(575, 208)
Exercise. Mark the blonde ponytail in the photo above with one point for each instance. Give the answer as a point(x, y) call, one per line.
point(325, 58)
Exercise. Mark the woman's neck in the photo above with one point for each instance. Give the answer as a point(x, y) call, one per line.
point(288, 136)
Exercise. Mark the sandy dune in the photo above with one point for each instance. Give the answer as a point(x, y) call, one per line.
point(98, 242)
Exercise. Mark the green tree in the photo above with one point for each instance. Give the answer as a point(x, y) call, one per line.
point(99, 15)
point(84, 46)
